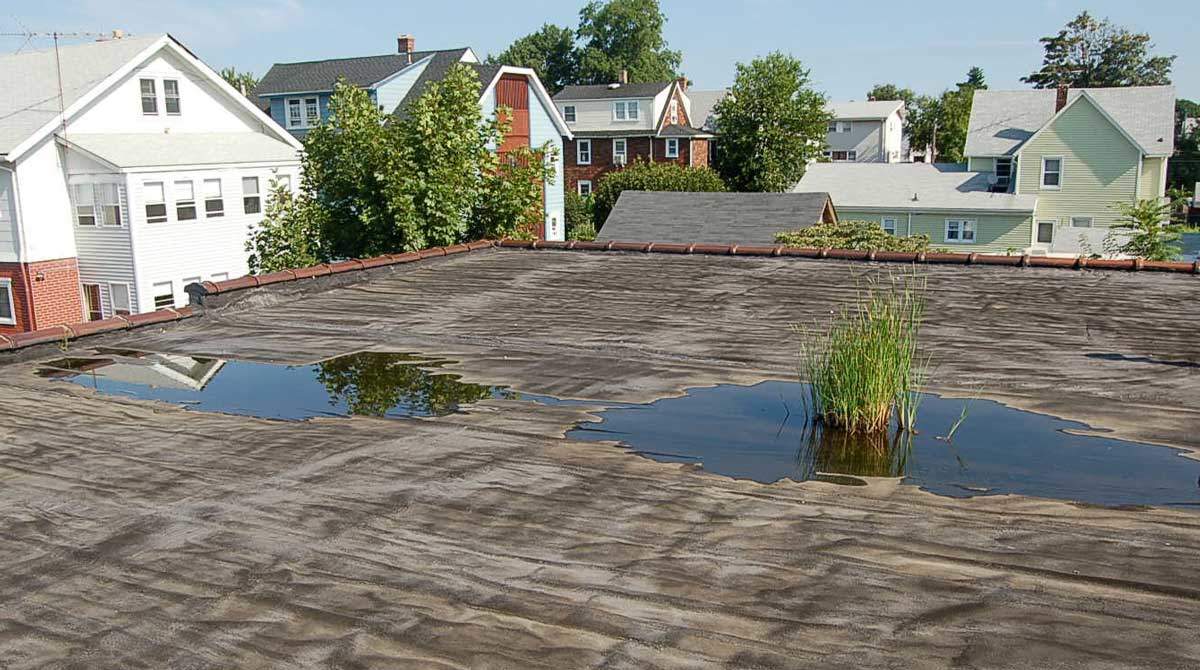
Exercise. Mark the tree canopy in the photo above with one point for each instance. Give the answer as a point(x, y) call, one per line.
point(244, 82)
point(550, 51)
point(941, 122)
point(1183, 169)
point(1094, 53)
point(771, 125)
point(645, 175)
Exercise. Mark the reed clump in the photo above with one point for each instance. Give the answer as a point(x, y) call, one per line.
point(864, 369)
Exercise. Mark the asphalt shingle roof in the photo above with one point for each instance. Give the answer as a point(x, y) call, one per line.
point(436, 71)
point(312, 76)
point(29, 82)
point(710, 218)
point(1001, 121)
point(864, 110)
point(703, 103)
point(935, 186)
point(604, 91)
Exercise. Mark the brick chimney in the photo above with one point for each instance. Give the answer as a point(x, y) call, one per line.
point(406, 44)
point(624, 77)
point(1061, 100)
point(683, 84)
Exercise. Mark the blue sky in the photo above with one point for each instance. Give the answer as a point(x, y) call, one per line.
point(848, 46)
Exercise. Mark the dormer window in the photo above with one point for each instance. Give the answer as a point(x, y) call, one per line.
point(149, 97)
point(625, 110)
point(303, 112)
point(569, 113)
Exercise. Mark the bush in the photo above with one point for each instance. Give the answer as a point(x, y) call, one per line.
point(865, 235)
point(579, 212)
point(1144, 231)
point(644, 175)
point(288, 235)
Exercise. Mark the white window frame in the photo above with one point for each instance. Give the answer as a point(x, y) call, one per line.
point(162, 188)
point(845, 126)
point(6, 289)
point(185, 203)
point(673, 113)
point(1037, 228)
point(579, 187)
point(1091, 221)
point(78, 204)
point(962, 227)
point(168, 97)
point(626, 110)
point(152, 96)
point(569, 113)
point(1042, 182)
point(303, 121)
point(255, 196)
point(831, 127)
point(883, 223)
point(848, 156)
point(623, 153)
point(580, 152)
point(112, 299)
point(157, 286)
point(672, 147)
point(218, 198)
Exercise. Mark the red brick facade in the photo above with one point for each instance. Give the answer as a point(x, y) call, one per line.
point(692, 152)
point(48, 289)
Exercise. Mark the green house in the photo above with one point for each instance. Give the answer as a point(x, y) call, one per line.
point(1045, 171)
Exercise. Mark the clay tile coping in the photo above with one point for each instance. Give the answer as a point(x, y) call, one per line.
point(952, 258)
point(84, 329)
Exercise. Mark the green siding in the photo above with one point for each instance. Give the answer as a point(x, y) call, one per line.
point(1100, 167)
point(994, 233)
point(976, 164)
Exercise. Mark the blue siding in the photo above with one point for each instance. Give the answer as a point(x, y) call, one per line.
point(391, 92)
point(542, 130)
point(279, 113)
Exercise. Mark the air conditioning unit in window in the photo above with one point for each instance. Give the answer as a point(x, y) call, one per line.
point(619, 161)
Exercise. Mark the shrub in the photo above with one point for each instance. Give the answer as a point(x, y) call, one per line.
point(579, 214)
point(864, 370)
point(1144, 231)
point(865, 235)
point(644, 175)
point(288, 235)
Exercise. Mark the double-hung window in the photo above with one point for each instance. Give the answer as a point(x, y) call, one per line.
point(625, 110)
point(620, 151)
point(85, 204)
point(672, 148)
point(149, 96)
point(888, 223)
point(156, 203)
point(1052, 168)
point(251, 200)
point(185, 201)
point(569, 113)
point(118, 295)
point(583, 152)
point(8, 313)
point(295, 113)
point(832, 127)
point(303, 112)
point(585, 187)
point(92, 302)
point(171, 96)
point(214, 204)
point(960, 231)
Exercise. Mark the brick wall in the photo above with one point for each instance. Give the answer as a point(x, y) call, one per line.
point(691, 152)
point(699, 153)
point(53, 292)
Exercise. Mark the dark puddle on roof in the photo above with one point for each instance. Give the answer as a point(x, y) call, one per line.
point(761, 432)
point(361, 384)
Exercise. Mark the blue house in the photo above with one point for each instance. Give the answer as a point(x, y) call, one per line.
point(297, 98)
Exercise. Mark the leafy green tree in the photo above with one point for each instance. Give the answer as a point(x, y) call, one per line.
point(942, 122)
point(626, 35)
point(550, 51)
point(373, 383)
point(644, 175)
point(509, 201)
point(1183, 169)
point(891, 92)
point(1144, 231)
point(865, 235)
point(289, 235)
point(243, 82)
point(579, 211)
point(1094, 53)
point(771, 125)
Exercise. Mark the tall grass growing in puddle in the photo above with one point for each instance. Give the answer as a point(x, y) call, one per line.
point(864, 369)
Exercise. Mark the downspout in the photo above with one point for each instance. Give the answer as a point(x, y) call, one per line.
point(910, 223)
point(24, 251)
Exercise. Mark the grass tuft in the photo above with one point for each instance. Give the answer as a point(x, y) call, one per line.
point(864, 369)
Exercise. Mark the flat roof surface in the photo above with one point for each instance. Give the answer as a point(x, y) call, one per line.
point(911, 186)
point(144, 535)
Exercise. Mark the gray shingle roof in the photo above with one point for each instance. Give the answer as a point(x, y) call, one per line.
point(865, 110)
point(677, 130)
point(29, 82)
point(703, 103)
point(1001, 121)
point(710, 218)
point(893, 186)
point(604, 91)
point(313, 76)
point(436, 71)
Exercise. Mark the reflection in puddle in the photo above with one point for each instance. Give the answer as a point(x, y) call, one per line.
point(760, 432)
point(361, 384)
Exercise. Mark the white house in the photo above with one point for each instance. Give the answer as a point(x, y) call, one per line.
point(128, 169)
point(866, 132)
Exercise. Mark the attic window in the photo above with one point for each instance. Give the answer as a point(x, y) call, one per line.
point(149, 97)
point(625, 110)
point(171, 96)
point(569, 113)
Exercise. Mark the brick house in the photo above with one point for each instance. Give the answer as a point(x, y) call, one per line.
point(128, 169)
point(616, 124)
